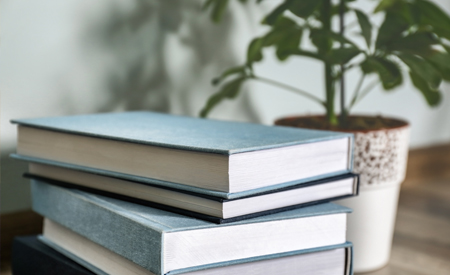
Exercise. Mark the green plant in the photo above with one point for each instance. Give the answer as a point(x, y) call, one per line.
point(412, 41)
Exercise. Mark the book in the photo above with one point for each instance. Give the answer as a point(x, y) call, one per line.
point(206, 207)
point(31, 256)
point(331, 260)
point(184, 152)
point(163, 242)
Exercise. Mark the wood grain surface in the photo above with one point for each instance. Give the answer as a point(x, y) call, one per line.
point(421, 244)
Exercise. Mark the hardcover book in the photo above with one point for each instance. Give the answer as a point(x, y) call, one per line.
point(163, 242)
point(329, 260)
point(184, 152)
point(206, 207)
point(31, 256)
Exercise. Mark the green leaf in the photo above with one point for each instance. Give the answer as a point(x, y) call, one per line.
point(218, 9)
point(419, 43)
point(366, 26)
point(280, 29)
point(388, 71)
point(342, 55)
point(384, 5)
point(336, 9)
point(304, 8)
point(441, 62)
point(435, 16)
point(433, 97)
point(391, 29)
point(273, 37)
point(228, 72)
point(330, 35)
point(323, 40)
point(229, 90)
point(288, 44)
point(285, 22)
point(254, 51)
point(421, 67)
point(285, 36)
point(272, 17)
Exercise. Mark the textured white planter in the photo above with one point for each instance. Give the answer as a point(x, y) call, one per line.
point(380, 158)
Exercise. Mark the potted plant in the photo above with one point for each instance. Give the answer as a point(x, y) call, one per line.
point(412, 42)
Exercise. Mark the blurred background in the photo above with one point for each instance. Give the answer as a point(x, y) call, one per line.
point(78, 56)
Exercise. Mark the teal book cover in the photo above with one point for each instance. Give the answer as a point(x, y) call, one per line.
point(217, 158)
point(143, 234)
point(181, 132)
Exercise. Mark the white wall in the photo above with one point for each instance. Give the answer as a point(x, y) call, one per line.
point(80, 56)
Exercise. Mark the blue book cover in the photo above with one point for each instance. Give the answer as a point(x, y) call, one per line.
point(181, 132)
point(218, 158)
point(163, 242)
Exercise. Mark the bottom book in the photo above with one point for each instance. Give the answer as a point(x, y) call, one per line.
point(330, 260)
point(31, 256)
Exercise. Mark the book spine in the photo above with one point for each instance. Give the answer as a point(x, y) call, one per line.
point(107, 228)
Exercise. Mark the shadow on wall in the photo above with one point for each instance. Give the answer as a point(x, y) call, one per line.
point(163, 55)
point(122, 55)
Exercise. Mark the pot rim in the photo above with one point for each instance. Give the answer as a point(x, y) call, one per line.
point(404, 123)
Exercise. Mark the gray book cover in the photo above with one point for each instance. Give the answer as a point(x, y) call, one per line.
point(181, 132)
point(133, 231)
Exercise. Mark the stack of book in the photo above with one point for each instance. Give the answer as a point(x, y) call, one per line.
point(150, 193)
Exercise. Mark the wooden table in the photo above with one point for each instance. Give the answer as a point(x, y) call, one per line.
point(421, 244)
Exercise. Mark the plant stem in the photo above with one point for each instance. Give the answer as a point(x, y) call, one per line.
point(343, 116)
point(288, 87)
point(325, 18)
point(357, 89)
point(366, 91)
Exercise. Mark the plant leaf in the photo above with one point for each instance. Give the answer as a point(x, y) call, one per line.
point(229, 90)
point(289, 43)
point(422, 68)
point(218, 9)
point(280, 30)
point(254, 51)
point(441, 62)
point(342, 55)
point(388, 71)
point(325, 34)
point(304, 8)
point(435, 16)
point(366, 26)
point(384, 5)
point(321, 41)
point(228, 72)
point(285, 36)
point(336, 9)
point(391, 29)
point(419, 43)
point(272, 17)
point(433, 97)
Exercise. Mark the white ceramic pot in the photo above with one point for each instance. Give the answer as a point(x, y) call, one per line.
point(380, 158)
